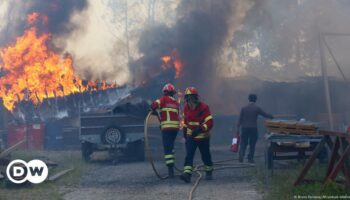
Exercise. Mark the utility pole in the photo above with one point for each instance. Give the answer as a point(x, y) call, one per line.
point(326, 82)
point(151, 8)
point(127, 30)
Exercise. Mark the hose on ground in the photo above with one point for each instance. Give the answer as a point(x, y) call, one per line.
point(200, 175)
point(148, 149)
point(198, 169)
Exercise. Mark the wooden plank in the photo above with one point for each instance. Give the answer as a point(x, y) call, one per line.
point(293, 132)
point(291, 127)
point(310, 161)
point(329, 142)
point(333, 133)
point(339, 164)
point(7, 151)
point(60, 174)
point(334, 157)
point(346, 167)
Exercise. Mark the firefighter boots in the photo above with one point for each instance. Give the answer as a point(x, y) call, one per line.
point(186, 177)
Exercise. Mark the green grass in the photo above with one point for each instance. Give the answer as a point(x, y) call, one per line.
point(47, 190)
point(280, 184)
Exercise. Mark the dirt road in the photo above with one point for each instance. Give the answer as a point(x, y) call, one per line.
point(136, 180)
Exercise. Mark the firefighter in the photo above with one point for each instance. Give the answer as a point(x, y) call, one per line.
point(197, 123)
point(169, 122)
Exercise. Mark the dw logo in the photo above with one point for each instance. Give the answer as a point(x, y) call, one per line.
point(19, 171)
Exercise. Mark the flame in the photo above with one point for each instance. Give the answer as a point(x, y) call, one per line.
point(31, 18)
point(31, 71)
point(166, 62)
point(34, 17)
point(177, 63)
point(173, 61)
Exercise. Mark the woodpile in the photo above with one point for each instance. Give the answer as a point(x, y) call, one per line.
point(59, 174)
point(11, 149)
point(5, 159)
point(291, 127)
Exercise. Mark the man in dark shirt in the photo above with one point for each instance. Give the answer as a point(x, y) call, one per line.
point(248, 122)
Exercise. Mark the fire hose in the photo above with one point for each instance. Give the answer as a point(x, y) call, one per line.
point(148, 149)
point(198, 169)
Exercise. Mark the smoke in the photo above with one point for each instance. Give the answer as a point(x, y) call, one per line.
point(98, 53)
point(203, 34)
point(106, 41)
point(268, 39)
point(199, 35)
point(155, 41)
point(123, 41)
point(77, 28)
point(59, 13)
point(14, 12)
point(279, 39)
point(101, 36)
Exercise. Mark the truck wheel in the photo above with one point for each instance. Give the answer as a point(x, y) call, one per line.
point(112, 135)
point(86, 151)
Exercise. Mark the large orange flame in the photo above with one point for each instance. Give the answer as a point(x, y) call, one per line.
point(173, 61)
point(31, 71)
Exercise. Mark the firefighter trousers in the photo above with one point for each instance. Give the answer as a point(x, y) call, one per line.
point(204, 148)
point(169, 137)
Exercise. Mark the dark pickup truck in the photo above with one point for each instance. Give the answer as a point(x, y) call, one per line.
point(118, 130)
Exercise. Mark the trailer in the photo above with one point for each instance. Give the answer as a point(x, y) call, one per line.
point(290, 139)
point(118, 130)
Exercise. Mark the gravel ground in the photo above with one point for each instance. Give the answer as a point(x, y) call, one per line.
point(136, 180)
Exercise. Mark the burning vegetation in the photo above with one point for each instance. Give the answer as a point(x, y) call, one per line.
point(33, 71)
point(173, 61)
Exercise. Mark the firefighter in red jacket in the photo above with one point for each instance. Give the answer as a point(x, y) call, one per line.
point(169, 122)
point(197, 123)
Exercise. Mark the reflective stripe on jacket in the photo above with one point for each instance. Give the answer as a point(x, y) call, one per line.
point(199, 118)
point(169, 112)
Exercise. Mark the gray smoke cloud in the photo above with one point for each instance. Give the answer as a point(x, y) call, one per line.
point(59, 13)
point(14, 13)
point(217, 40)
point(101, 36)
point(266, 39)
point(198, 34)
point(201, 33)
point(284, 35)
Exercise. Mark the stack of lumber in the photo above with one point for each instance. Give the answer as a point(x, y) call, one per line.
point(5, 157)
point(291, 127)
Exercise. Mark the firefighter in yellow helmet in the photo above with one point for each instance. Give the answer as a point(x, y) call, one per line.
point(198, 122)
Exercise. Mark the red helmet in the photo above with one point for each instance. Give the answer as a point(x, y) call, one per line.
point(191, 90)
point(169, 88)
